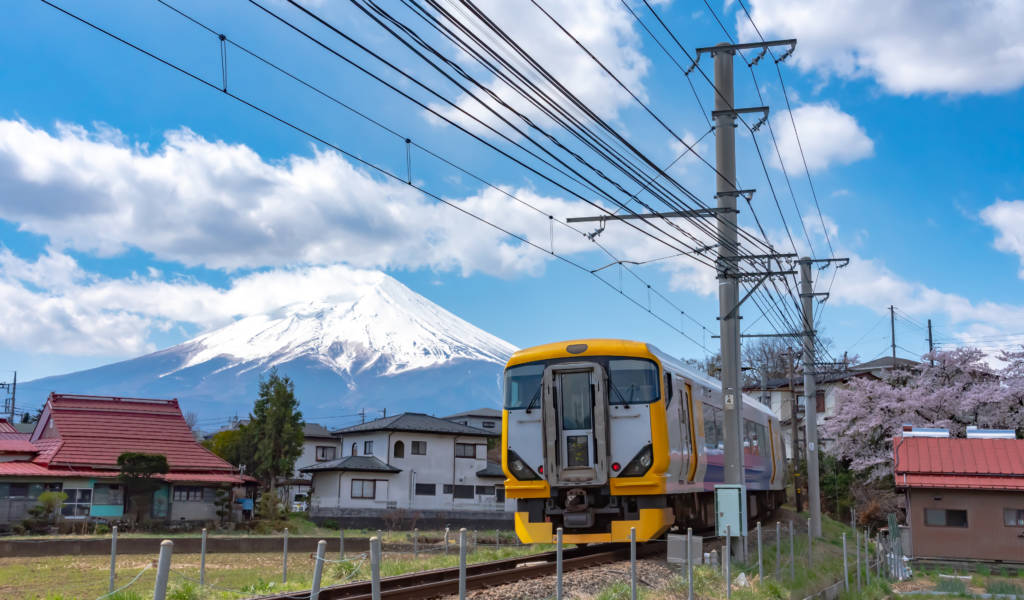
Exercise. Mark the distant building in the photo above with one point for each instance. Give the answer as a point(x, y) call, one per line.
point(482, 418)
point(964, 496)
point(318, 446)
point(415, 463)
point(74, 448)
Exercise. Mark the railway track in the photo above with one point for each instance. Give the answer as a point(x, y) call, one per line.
point(444, 582)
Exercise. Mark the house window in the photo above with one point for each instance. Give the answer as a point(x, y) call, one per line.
point(109, 494)
point(419, 447)
point(27, 490)
point(76, 506)
point(364, 488)
point(354, 451)
point(1013, 517)
point(426, 489)
point(447, 488)
point(188, 493)
point(325, 453)
point(368, 447)
point(938, 517)
point(488, 424)
point(485, 490)
point(464, 492)
point(465, 451)
point(819, 401)
point(399, 449)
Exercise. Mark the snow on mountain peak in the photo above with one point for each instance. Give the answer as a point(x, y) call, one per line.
point(383, 325)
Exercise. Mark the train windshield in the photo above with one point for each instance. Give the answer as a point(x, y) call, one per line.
point(632, 381)
point(522, 386)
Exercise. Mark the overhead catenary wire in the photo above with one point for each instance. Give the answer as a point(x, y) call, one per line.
point(382, 171)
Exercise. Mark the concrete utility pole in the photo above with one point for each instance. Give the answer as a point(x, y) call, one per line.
point(727, 266)
point(794, 434)
point(931, 343)
point(892, 332)
point(10, 402)
point(810, 397)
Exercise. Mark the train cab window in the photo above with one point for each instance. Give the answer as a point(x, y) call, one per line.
point(633, 381)
point(522, 386)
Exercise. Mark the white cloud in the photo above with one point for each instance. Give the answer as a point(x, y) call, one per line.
point(604, 27)
point(1007, 217)
point(828, 136)
point(908, 46)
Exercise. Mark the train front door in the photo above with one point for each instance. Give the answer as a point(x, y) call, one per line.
point(576, 423)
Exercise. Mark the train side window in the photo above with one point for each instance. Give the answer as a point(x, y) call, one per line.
point(668, 389)
point(710, 426)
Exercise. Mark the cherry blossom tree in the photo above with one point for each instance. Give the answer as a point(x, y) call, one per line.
point(960, 389)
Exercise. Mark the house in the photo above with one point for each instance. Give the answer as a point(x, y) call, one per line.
point(74, 448)
point(481, 418)
point(964, 496)
point(318, 445)
point(415, 463)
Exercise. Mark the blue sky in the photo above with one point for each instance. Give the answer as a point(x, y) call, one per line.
point(133, 199)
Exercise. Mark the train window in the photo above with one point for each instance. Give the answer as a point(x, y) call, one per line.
point(668, 389)
point(633, 381)
point(712, 427)
point(751, 440)
point(522, 386)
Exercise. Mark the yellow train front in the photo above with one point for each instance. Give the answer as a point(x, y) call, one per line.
point(601, 436)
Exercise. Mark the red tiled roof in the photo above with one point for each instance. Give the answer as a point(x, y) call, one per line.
point(6, 427)
point(96, 430)
point(959, 463)
point(31, 469)
point(47, 448)
point(203, 478)
point(22, 445)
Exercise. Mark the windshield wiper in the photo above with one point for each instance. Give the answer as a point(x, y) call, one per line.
point(534, 399)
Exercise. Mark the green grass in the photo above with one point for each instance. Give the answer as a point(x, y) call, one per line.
point(86, 577)
point(952, 586)
point(1003, 587)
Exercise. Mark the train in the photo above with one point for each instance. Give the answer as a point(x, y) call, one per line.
point(602, 436)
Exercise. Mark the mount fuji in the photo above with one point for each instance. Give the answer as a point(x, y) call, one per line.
point(382, 347)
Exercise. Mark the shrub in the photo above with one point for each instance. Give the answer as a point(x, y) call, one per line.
point(1003, 587)
point(330, 524)
point(42, 515)
point(952, 586)
point(185, 591)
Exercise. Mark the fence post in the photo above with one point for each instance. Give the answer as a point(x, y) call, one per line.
point(867, 558)
point(792, 553)
point(318, 569)
point(163, 569)
point(202, 560)
point(497, 539)
point(446, 530)
point(284, 563)
point(727, 561)
point(778, 550)
point(415, 543)
point(462, 563)
point(380, 535)
point(689, 563)
point(760, 562)
point(558, 564)
point(856, 543)
point(474, 540)
point(846, 569)
point(632, 563)
point(113, 557)
point(375, 568)
point(341, 543)
point(810, 545)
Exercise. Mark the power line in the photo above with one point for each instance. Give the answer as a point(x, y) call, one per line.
point(366, 163)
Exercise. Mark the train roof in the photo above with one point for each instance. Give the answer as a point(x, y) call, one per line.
point(677, 366)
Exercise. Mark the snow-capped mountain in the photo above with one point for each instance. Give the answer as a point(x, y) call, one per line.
point(385, 347)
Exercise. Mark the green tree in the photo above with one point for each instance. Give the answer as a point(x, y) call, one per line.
point(137, 471)
point(276, 425)
point(234, 445)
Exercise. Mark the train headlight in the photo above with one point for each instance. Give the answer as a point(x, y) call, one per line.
point(640, 464)
point(519, 469)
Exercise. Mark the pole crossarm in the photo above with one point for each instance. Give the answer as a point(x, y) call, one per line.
point(685, 214)
point(751, 274)
point(772, 256)
point(827, 261)
point(768, 335)
point(748, 194)
point(712, 50)
point(734, 112)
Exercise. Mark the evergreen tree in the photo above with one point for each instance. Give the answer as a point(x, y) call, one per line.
point(275, 428)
